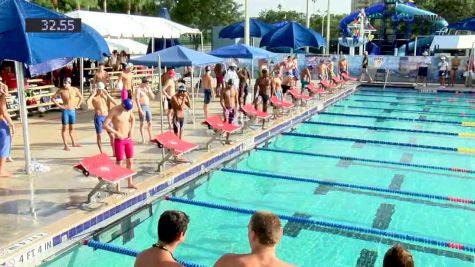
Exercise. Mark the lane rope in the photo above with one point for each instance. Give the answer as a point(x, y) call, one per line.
point(331, 224)
point(435, 99)
point(411, 104)
point(347, 185)
point(397, 163)
point(368, 141)
point(416, 92)
point(463, 114)
point(377, 128)
point(125, 251)
point(398, 119)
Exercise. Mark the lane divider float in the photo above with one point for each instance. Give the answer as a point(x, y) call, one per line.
point(412, 104)
point(125, 251)
point(332, 224)
point(396, 163)
point(415, 92)
point(347, 185)
point(436, 99)
point(368, 141)
point(392, 118)
point(458, 114)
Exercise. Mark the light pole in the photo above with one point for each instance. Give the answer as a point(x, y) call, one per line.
point(328, 28)
point(307, 24)
point(246, 22)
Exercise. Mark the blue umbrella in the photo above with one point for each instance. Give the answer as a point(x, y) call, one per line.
point(35, 48)
point(292, 35)
point(241, 51)
point(257, 28)
point(464, 25)
point(177, 56)
point(41, 48)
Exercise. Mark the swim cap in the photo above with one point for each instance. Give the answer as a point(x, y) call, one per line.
point(124, 94)
point(182, 88)
point(128, 104)
point(171, 73)
point(101, 86)
point(129, 65)
point(67, 80)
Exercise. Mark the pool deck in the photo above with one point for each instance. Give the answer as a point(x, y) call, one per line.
point(45, 212)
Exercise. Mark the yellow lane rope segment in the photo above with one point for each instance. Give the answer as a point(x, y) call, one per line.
point(466, 150)
point(468, 123)
point(466, 134)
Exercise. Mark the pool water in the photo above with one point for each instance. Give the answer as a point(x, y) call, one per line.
point(213, 232)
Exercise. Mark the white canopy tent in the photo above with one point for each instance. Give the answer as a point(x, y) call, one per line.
point(130, 46)
point(457, 42)
point(131, 26)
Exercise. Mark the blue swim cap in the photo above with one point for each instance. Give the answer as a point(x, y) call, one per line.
point(128, 104)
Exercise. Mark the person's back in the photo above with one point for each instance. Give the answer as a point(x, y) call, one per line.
point(398, 256)
point(172, 227)
point(265, 232)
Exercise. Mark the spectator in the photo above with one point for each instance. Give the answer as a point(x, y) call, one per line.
point(398, 256)
point(364, 68)
point(231, 73)
point(423, 68)
point(454, 66)
point(264, 233)
point(443, 70)
point(172, 227)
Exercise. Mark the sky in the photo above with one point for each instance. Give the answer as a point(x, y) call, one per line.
point(336, 6)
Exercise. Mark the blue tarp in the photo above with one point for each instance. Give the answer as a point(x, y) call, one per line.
point(241, 51)
point(35, 48)
point(257, 28)
point(292, 35)
point(177, 56)
point(464, 25)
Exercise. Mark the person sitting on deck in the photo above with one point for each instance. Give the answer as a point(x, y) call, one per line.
point(398, 256)
point(172, 227)
point(264, 233)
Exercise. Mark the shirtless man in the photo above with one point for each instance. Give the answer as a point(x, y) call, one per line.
point(218, 71)
point(126, 78)
point(263, 88)
point(168, 93)
point(277, 83)
point(287, 83)
point(306, 76)
point(102, 76)
point(69, 96)
point(142, 98)
point(206, 83)
point(244, 81)
point(229, 102)
point(172, 227)
point(322, 70)
point(123, 121)
point(100, 100)
point(7, 129)
point(264, 233)
point(343, 65)
point(179, 102)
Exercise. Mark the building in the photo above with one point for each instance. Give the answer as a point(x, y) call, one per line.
point(359, 4)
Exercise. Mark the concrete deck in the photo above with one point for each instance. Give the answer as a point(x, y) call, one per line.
point(45, 203)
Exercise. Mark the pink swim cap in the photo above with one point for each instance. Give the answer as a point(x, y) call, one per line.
point(124, 94)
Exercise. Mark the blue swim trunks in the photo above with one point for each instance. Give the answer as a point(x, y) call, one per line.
point(99, 123)
point(207, 96)
point(148, 113)
point(68, 117)
point(5, 140)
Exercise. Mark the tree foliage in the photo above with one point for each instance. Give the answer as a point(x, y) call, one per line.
point(451, 10)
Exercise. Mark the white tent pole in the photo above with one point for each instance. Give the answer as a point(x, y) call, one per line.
point(81, 75)
point(202, 42)
point(20, 80)
point(192, 95)
point(252, 77)
point(246, 22)
point(153, 45)
point(160, 92)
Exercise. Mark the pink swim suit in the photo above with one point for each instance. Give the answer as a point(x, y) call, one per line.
point(124, 148)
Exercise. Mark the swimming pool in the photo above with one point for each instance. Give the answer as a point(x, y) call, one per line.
point(354, 164)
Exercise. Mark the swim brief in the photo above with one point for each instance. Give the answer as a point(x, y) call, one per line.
point(285, 88)
point(178, 124)
point(123, 148)
point(265, 98)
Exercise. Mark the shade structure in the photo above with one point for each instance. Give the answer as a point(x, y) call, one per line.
point(49, 49)
point(464, 25)
point(257, 28)
point(130, 46)
point(132, 26)
point(177, 56)
point(292, 35)
point(242, 51)
point(35, 48)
